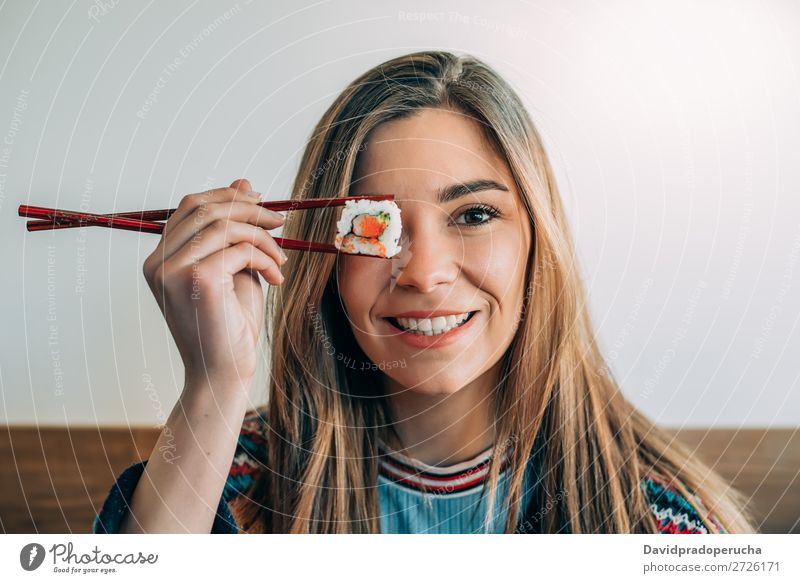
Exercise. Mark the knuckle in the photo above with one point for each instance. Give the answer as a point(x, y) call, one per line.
point(253, 232)
point(152, 263)
point(159, 275)
point(223, 210)
point(146, 266)
point(186, 202)
point(246, 247)
point(190, 201)
point(203, 215)
point(202, 208)
point(202, 200)
point(220, 225)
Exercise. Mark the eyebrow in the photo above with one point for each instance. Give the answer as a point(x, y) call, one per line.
point(454, 191)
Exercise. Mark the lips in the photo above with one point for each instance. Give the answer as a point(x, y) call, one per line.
point(432, 326)
point(429, 332)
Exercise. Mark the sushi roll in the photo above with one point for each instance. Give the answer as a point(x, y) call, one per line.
point(369, 227)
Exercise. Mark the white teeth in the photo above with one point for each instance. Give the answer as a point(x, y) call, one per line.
point(432, 326)
point(439, 323)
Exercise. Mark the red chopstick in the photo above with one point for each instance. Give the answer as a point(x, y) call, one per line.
point(146, 221)
point(57, 218)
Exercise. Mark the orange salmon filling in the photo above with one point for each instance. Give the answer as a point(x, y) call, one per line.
point(369, 226)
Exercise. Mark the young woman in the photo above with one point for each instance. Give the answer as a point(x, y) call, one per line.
point(454, 388)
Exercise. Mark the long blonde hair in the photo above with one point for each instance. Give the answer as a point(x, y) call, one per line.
point(324, 417)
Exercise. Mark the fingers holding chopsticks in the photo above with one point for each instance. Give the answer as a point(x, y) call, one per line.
point(204, 276)
point(197, 206)
point(198, 212)
point(224, 233)
point(243, 255)
point(217, 216)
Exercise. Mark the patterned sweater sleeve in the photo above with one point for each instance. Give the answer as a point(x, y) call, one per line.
point(673, 512)
point(249, 456)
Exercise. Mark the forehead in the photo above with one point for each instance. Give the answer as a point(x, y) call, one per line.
point(417, 155)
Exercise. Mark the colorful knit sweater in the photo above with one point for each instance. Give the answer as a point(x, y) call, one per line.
point(414, 497)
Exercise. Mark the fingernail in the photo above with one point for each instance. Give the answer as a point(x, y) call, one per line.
point(254, 194)
point(284, 257)
point(277, 215)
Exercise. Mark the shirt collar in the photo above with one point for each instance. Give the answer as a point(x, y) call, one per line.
point(441, 479)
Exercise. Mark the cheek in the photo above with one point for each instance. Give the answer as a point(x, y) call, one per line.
point(360, 283)
point(496, 266)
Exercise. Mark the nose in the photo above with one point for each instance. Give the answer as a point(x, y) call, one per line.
point(429, 258)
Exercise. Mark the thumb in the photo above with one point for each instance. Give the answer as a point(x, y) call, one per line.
point(242, 184)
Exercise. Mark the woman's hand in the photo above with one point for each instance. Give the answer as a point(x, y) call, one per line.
point(203, 276)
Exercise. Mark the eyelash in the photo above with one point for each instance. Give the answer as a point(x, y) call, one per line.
point(489, 210)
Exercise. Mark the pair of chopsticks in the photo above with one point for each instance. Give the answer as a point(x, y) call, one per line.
point(148, 221)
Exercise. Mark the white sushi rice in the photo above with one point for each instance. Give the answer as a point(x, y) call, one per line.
point(391, 234)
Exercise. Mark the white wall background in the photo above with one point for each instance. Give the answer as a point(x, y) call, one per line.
point(673, 127)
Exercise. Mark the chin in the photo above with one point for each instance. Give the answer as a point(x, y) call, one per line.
point(431, 384)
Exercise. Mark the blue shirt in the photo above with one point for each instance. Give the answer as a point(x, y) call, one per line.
point(413, 497)
point(452, 503)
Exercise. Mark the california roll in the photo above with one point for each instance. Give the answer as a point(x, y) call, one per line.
point(369, 227)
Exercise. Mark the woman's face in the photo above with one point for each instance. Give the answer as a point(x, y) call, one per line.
point(465, 244)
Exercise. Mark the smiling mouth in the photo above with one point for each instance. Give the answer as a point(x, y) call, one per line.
point(431, 326)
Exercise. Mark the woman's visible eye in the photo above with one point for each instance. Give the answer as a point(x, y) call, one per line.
point(478, 215)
